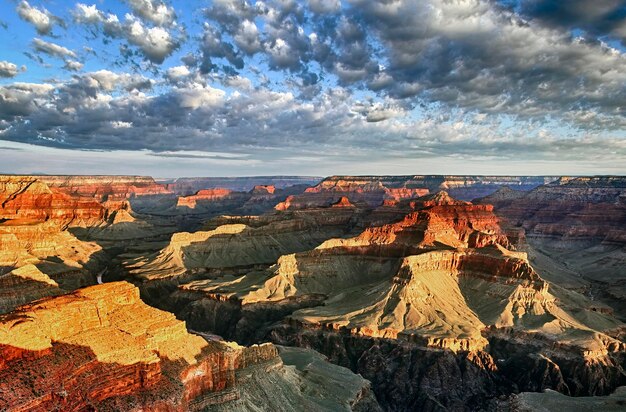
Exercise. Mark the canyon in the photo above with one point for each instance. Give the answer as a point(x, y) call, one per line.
point(345, 293)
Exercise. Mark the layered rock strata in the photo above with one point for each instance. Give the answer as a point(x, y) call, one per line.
point(101, 348)
point(443, 278)
point(575, 229)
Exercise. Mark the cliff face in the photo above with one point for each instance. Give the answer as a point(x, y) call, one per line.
point(55, 251)
point(577, 229)
point(27, 199)
point(242, 243)
point(33, 219)
point(23, 285)
point(205, 195)
point(572, 209)
point(460, 187)
point(104, 188)
point(102, 348)
point(379, 190)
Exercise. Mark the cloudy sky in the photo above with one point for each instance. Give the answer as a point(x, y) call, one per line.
point(317, 87)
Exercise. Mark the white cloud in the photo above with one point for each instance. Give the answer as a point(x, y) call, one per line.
point(197, 96)
point(52, 49)
point(8, 69)
point(156, 12)
point(177, 72)
point(42, 19)
point(156, 43)
point(73, 65)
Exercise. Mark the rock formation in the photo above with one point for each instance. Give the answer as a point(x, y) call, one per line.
point(576, 231)
point(27, 199)
point(444, 276)
point(189, 185)
point(104, 188)
point(25, 284)
point(102, 348)
point(233, 245)
point(205, 195)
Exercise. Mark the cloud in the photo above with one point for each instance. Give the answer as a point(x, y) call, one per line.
point(353, 80)
point(73, 66)
point(22, 100)
point(177, 73)
point(154, 11)
point(598, 18)
point(106, 110)
point(325, 6)
point(196, 96)
point(155, 43)
point(42, 19)
point(479, 57)
point(52, 49)
point(8, 69)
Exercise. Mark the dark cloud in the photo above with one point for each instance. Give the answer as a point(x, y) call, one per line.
point(598, 17)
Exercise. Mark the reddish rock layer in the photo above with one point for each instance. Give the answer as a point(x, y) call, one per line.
point(343, 202)
point(105, 187)
point(263, 189)
point(206, 195)
point(27, 199)
point(102, 348)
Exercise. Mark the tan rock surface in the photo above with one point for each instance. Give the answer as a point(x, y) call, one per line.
point(102, 347)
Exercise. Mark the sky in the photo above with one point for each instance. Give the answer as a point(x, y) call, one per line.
point(318, 87)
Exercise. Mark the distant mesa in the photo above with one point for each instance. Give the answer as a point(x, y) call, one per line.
point(343, 202)
point(203, 195)
point(264, 189)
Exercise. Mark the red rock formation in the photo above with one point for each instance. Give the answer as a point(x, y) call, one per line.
point(189, 185)
point(206, 195)
point(343, 202)
point(26, 199)
point(102, 348)
point(263, 189)
point(284, 205)
point(461, 187)
point(368, 191)
point(104, 188)
point(437, 219)
point(405, 193)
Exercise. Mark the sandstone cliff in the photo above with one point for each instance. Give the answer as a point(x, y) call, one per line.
point(27, 199)
point(101, 348)
point(104, 188)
